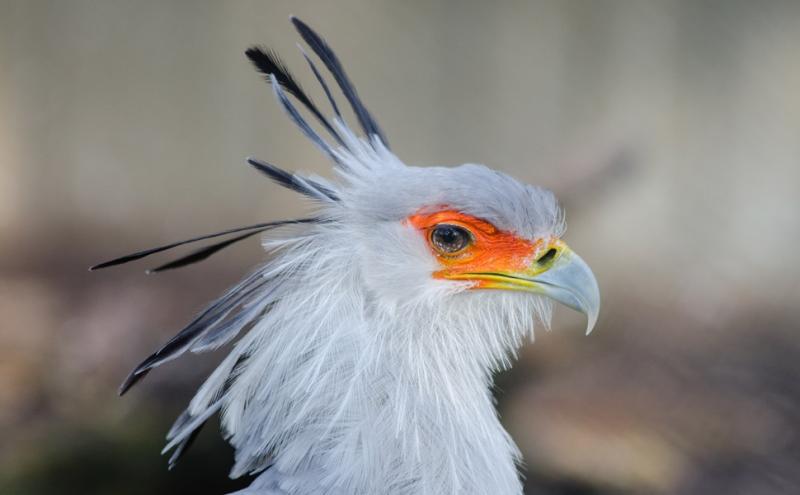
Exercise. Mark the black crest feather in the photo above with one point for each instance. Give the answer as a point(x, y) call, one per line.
point(212, 317)
point(321, 81)
point(331, 61)
point(259, 227)
point(204, 252)
point(293, 181)
point(268, 63)
point(301, 123)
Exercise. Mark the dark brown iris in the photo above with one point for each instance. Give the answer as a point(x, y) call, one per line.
point(450, 239)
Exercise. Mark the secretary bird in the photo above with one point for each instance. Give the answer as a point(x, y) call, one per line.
point(370, 336)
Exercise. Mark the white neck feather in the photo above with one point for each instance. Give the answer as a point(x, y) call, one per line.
point(343, 394)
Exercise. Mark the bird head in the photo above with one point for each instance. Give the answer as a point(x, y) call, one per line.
point(466, 236)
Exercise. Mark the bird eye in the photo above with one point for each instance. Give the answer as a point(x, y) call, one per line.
point(450, 239)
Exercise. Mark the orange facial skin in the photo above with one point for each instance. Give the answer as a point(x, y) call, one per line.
point(492, 250)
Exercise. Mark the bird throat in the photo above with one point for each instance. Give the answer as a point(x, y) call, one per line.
point(403, 403)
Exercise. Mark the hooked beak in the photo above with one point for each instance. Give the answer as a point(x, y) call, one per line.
point(559, 274)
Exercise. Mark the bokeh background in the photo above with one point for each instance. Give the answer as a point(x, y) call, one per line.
point(670, 129)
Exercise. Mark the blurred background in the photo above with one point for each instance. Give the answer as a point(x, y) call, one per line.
point(670, 130)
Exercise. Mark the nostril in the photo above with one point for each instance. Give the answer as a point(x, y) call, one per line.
point(548, 256)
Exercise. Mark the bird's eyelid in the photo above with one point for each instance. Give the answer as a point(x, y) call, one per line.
point(425, 220)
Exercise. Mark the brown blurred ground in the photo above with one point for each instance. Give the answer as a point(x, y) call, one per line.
point(671, 129)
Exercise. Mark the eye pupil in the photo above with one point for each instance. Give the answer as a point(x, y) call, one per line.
point(450, 238)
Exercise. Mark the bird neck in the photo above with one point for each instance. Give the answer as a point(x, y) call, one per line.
point(437, 411)
point(344, 394)
point(395, 402)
